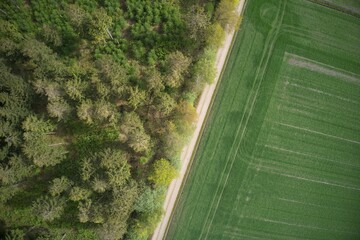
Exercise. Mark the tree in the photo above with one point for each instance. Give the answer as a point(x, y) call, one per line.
point(7, 192)
point(84, 211)
point(98, 26)
point(145, 225)
point(77, 16)
point(205, 70)
point(99, 185)
point(51, 35)
point(15, 171)
point(171, 142)
point(85, 111)
point(43, 62)
point(215, 35)
point(59, 109)
point(150, 200)
point(41, 144)
point(105, 170)
point(185, 118)
point(87, 169)
point(165, 104)
point(140, 142)
point(116, 166)
point(119, 211)
point(137, 97)
point(90, 212)
point(105, 112)
point(60, 185)
point(112, 73)
point(196, 21)
point(132, 131)
point(162, 173)
point(177, 64)
point(75, 88)
point(79, 193)
point(154, 80)
point(14, 107)
point(15, 234)
point(225, 13)
point(49, 209)
point(14, 96)
point(53, 91)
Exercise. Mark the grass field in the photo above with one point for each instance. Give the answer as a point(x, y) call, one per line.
point(280, 154)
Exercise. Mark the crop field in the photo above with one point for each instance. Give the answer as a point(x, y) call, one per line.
point(280, 154)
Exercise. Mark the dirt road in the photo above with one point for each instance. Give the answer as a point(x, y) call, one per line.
point(186, 154)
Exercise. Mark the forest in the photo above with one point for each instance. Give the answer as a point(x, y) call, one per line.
point(97, 100)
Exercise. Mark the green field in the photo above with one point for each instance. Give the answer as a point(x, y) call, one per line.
point(280, 154)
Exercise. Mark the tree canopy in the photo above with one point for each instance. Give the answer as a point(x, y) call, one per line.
point(97, 99)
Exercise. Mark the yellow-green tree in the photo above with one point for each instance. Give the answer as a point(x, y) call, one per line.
point(163, 173)
point(215, 35)
point(226, 13)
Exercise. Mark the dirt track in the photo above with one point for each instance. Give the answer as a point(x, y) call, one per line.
point(186, 154)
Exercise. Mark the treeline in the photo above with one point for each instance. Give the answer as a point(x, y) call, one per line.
point(97, 99)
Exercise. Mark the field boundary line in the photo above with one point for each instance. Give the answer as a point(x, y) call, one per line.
point(209, 93)
point(336, 7)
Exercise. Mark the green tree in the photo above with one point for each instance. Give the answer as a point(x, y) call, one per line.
point(150, 200)
point(77, 16)
point(15, 171)
point(41, 144)
point(215, 35)
point(145, 225)
point(162, 173)
point(119, 211)
point(48, 209)
point(205, 70)
point(59, 109)
point(98, 26)
point(196, 21)
point(85, 111)
point(132, 131)
point(51, 35)
point(15, 234)
point(76, 88)
point(84, 211)
point(116, 166)
point(53, 91)
point(177, 64)
point(59, 185)
point(186, 117)
point(15, 103)
point(137, 97)
point(225, 13)
point(113, 73)
point(99, 185)
point(105, 112)
point(165, 104)
point(87, 169)
point(140, 142)
point(79, 193)
point(154, 80)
